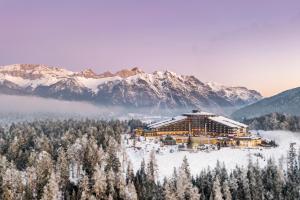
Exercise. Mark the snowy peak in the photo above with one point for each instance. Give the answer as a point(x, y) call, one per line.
point(33, 71)
point(127, 73)
point(88, 73)
point(69, 84)
point(235, 93)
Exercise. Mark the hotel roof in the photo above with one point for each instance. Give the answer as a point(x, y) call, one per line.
point(228, 122)
point(199, 113)
point(167, 122)
point(219, 119)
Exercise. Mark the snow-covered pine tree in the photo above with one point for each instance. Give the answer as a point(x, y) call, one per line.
point(110, 183)
point(292, 162)
point(30, 187)
point(223, 174)
point(173, 180)
point(130, 192)
point(194, 194)
point(233, 185)
point(93, 156)
point(186, 167)
point(129, 172)
point(258, 191)
point(169, 193)
point(120, 185)
point(245, 186)
point(226, 191)
point(140, 181)
point(252, 180)
point(152, 168)
point(99, 182)
point(216, 193)
point(62, 166)
point(84, 188)
point(51, 190)
point(272, 181)
point(44, 168)
point(291, 190)
point(184, 186)
point(112, 160)
point(12, 185)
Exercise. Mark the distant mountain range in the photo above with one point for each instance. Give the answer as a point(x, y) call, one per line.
point(287, 102)
point(130, 88)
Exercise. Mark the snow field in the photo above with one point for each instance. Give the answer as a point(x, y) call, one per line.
point(201, 160)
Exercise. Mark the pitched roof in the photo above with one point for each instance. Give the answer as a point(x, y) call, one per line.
point(228, 122)
point(167, 122)
point(199, 113)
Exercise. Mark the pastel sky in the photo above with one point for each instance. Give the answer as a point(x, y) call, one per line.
point(253, 43)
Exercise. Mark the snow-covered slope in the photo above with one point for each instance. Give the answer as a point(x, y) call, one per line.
point(132, 87)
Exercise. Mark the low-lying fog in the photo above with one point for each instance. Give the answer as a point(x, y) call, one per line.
point(27, 108)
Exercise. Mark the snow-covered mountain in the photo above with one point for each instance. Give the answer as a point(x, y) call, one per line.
point(132, 88)
point(239, 95)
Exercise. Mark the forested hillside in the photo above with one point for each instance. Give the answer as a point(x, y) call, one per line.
point(284, 102)
point(274, 121)
point(85, 160)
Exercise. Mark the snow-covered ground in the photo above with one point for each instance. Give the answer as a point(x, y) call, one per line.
point(200, 160)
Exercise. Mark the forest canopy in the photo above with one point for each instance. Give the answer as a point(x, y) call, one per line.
point(85, 159)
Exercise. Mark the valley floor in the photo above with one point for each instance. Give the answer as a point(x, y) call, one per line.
point(229, 156)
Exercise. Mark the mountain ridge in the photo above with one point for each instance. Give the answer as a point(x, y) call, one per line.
point(127, 87)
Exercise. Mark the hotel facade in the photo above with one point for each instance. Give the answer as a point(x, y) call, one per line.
point(203, 128)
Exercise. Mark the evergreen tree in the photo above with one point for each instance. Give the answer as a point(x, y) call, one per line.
point(84, 188)
point(44, 167)
point(292, 185)
point(184, 187)
point(169, 193)
point(152, 168)
point(245, 187)
point(186, 168)
point(226, 191)
point(99, 182)
point(129, 173)
point(51, 190)
point(30, 188)
point(62, 166)
point(258, 190)
point(216, 190)
point(130, 193)
point(110, 180)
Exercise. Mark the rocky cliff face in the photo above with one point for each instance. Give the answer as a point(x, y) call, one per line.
point(132, 88)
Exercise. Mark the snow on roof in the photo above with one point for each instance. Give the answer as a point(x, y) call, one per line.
point(167, 122)
point(250, 137)
point(199, 113)
point(228, 122)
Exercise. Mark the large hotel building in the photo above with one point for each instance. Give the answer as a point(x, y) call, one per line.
point(203, 127)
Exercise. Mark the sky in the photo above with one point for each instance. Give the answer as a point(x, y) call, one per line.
point(252, 43)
